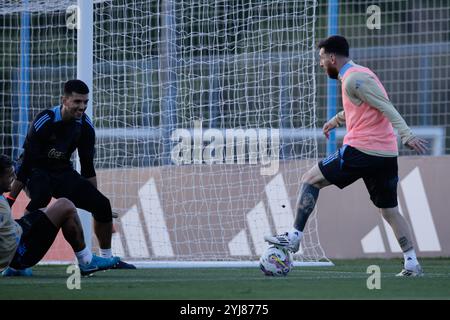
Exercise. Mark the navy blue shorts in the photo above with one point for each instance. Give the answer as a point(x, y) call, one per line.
point(380, 174)
point(43, 185)
point(38, 235)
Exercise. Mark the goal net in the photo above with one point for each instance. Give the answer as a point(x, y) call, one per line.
point(204, 113)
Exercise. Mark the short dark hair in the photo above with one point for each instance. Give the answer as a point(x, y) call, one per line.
point(335, 44)
point(5, 163)
point(75, 85)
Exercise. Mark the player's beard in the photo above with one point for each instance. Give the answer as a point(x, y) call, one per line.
point(333, 73)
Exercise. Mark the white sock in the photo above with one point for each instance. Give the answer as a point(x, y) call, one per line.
point(106, 253)
point(410, 256)
point(84, 256)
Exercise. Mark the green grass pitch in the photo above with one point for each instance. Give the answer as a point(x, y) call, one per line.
point(346, 280)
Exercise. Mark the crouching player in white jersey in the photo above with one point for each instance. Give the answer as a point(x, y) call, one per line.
point(24, 242)
point(369, 152)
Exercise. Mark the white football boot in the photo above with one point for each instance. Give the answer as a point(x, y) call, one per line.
point(411, 269)
point(288, 240)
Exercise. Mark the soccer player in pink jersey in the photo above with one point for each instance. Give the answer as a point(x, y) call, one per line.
point(369, 150)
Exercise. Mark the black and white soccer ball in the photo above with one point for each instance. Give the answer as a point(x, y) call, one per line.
point(276, 262)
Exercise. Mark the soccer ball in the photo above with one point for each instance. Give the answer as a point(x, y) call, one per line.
point(276, 262)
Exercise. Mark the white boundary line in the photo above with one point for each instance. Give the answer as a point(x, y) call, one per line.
point(201, 264)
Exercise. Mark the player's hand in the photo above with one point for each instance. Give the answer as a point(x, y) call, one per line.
point(327, 127)
point(417, 144)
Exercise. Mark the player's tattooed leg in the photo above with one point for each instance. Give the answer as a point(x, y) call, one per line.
point(306, 203)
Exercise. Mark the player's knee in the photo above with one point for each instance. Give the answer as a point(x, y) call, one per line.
point(309, 178)
point(102, 210)
point(66, 207)
point(306, 178)
point(314, 178)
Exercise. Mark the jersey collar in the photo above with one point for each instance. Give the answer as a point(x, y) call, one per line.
point(344, 69)
point(58, 116)
point(57, 112)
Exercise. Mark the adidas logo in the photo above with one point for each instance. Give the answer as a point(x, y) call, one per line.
point(258, 224)
point(145, 233)
point(154, 222)
point(145, 221)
